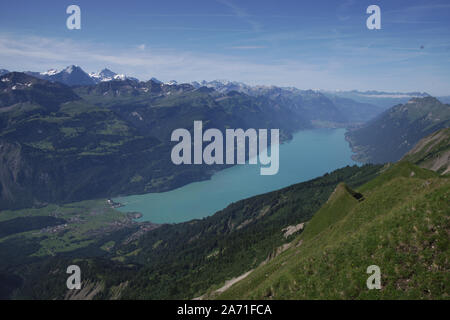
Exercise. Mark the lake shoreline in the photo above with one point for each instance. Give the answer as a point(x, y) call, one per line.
point(319, 150)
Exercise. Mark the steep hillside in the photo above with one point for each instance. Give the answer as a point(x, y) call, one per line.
point(389, 136)
point(432, 152)
point(184, 260)
point(347, 220)
point(17, 89)
point(399, 221)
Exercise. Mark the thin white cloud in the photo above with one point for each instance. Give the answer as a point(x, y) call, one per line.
point(242, 14)
point(343, 10)
point(247, 47)
point(39, 54)
point(347, 71)
point(417, 14)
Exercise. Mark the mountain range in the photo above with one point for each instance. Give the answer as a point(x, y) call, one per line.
point(55, 140)
point(108, 75)
point(75, 76)
point(323, 110)
point(50, 131)
point(380, 99)
point(367, 103)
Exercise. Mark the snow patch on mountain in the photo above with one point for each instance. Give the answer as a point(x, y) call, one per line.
point(50, 72)
point(108, 75)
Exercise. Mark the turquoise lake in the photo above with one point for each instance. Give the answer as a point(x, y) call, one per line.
point(311, 153)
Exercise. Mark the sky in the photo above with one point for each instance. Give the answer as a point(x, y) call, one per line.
point(319, 44)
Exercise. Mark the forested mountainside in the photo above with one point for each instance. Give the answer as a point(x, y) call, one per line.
point(311, 240)
point(170, 261)
point(393, 133)
point(59, 144)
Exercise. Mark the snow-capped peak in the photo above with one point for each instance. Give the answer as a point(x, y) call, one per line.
point(49, 72)
point(104, 75)
point(107, 75)
point(71, 69)
point(120, 77)
point(223, 85)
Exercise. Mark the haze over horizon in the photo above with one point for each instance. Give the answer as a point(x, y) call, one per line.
point(309, 45)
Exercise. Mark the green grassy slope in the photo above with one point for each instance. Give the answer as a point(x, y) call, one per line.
point(432, 152)
point(402, 225)
point(56, 229)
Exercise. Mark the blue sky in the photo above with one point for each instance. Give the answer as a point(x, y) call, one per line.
point(320, 44)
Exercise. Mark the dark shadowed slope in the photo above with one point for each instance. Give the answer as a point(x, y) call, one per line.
point(388, 137)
